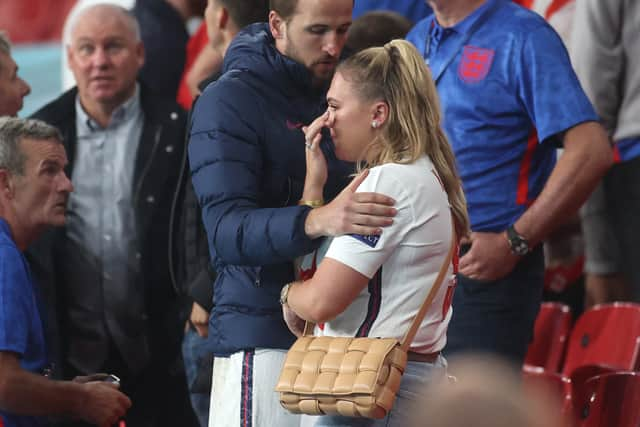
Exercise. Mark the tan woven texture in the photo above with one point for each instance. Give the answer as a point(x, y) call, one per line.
point(354, 377)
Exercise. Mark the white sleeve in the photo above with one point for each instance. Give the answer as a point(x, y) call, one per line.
point(366, 254)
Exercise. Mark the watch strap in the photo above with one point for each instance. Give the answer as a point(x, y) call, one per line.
point(519, 245)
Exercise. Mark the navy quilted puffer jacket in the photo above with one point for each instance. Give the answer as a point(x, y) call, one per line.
point(246, 152)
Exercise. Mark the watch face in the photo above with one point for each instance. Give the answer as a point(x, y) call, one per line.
point(520, 247)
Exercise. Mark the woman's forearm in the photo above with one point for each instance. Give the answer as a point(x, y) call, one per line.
point(328, 293)
point(312, 190)
point(305, 303)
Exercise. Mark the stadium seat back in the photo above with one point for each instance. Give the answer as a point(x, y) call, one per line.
point(550, 335)
point(614, 400)
point(607, 334)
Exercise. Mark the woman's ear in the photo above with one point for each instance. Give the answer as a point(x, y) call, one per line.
point(380, 113)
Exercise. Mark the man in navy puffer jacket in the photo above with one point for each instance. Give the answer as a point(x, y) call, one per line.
point(247, 159)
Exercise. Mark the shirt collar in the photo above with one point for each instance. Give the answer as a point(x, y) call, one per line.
point(121, 114)
point(462, 27)
point(4, 227)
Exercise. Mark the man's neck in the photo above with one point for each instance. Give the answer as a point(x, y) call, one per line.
point(19, 234)
point(98, 112)
point(450, 12)
point(101, 112)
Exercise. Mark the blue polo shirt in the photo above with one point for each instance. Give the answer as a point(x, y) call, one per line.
point(21, 330)
point(414, 10)
point(507, 90)
point(627, 149)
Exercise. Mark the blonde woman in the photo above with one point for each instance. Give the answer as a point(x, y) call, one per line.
point(383, 113)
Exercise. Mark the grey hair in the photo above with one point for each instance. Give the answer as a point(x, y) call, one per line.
point(129, 18)
point(5, 44)
point(12, 131)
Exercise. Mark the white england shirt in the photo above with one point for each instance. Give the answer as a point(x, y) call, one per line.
point(402, 262)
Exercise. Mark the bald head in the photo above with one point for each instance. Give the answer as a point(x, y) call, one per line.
point(107, 11)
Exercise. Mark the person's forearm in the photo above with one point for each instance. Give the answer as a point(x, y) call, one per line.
point(312, 191)
point(303, 300)
point(22, 392)
point(586, 158)
point(328, 293)
point(228, 185)
point(255, 236)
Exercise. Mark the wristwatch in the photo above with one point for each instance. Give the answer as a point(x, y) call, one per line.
point(518, 244)
point(284, 294)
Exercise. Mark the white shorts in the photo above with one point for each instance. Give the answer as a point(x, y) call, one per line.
point(242, 391)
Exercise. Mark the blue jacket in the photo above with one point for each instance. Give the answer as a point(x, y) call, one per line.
point(414, 10)
point(246, 152)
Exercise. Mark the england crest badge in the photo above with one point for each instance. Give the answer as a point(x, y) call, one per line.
point(475, 64)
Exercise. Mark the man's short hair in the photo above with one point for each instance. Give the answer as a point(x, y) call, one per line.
point(5, 44)
point(284, 8)
point(128, 16)
point(12, 131)
point(245, 12)
point(376, 28)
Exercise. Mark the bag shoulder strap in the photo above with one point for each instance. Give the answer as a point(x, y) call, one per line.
point(417, 321)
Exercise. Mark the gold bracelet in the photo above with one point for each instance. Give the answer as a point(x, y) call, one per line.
point(311, 203)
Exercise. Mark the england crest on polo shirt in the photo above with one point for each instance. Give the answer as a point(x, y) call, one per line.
point(475, 64)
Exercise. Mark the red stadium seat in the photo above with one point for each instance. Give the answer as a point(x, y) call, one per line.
point(607, 334)
point(551, 384)
point(579, 394)
point(613, 400)
point(550, 334)
point(604, 339)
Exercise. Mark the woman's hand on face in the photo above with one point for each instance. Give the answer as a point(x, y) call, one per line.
point(316, 163)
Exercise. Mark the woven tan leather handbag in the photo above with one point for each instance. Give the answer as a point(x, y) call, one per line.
point(353, 377)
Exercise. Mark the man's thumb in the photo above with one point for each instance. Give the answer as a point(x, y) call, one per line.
point(353, 185)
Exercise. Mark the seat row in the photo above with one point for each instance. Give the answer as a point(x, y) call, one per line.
point(589, 367)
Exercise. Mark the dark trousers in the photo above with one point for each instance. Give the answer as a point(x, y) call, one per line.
point(622, 195)
point(497, 317)
point(159, 393)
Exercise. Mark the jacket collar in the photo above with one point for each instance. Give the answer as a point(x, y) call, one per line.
point(254, 50)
